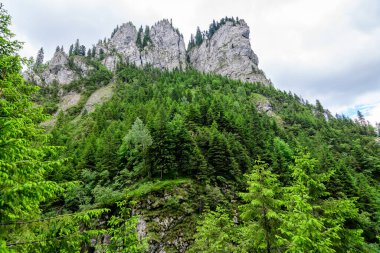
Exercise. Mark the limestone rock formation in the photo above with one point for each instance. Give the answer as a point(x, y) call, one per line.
point(123, 42)
point(57, 69)
point(167, 50)
point(228, 52)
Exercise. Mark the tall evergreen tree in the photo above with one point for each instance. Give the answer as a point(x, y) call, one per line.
point(76, 50)
point(40, 57)
point(310, 224)
point(134, 147)
point(71, 50)
point(198, 37)
point(261, 213)
point(146, 39)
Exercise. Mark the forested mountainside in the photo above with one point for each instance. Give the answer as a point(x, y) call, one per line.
point(147, 159)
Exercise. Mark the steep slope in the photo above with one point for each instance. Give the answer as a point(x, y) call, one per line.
point(177, 144)
point(228, 52)
point(173, 143)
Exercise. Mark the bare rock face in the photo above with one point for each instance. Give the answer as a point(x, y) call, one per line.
point(124, 43)
point(98, 97)
point(57, 71)
point(110, 62)
point(167, 50)
point(228, 52)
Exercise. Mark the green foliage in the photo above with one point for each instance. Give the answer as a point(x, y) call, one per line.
point(312, 223)
point(24, 150)
point(31, 184)
point(179, 143)
point(143, 189)
point(261, 213)
point(134, 148)
point(207, 128)
point(216, 233)
point(122, 231)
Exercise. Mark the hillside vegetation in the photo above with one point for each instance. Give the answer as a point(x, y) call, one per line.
point(197, 162)
point(163, 126)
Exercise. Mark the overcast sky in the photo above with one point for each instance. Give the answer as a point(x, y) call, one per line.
point(320, 49)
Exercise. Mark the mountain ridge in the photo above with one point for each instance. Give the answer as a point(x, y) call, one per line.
point(227, 51)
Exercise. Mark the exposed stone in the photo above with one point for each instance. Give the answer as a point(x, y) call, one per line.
point(124, 43)
point(57, 71)
point(167, 50)
point(98, 97)
point(141, 228)
point(110, 62)
point(58, 62)
point(228, 52)
point(69, 100)
point(82, 66)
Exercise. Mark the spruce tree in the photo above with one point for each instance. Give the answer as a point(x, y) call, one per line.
point(312, 222)
point(76, 50)
point(146, 38)
point(71, 50)
point(261, 211)
point(198, 37)
point(40, 57)
point(134, 148)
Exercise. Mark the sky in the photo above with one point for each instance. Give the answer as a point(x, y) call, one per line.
point(326, 49)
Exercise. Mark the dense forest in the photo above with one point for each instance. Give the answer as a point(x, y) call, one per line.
point(242, 167)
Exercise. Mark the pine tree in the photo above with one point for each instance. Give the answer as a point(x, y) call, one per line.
point(82, 50)
point(216, 232)
point(191, 43)
point(76, 50)
point(310, 224)
point(146, 39)
point(139, 38)
point(134, 147)
point(101, 54)
point(40, 57)
point(71, 50)
point(261, 213)
point(198, 37)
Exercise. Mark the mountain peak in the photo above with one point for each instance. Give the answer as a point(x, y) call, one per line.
point(225, 49)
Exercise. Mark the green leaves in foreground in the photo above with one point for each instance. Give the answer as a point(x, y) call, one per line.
point(275, 218)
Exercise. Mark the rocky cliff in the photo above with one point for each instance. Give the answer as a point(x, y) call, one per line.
point(227, 52)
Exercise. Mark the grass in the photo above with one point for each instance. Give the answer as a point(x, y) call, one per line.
point(148, 187)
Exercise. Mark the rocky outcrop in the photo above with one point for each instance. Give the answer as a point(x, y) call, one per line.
point(167, 49)
point(228, 52)
point(58, 70)
point(100, 96)
point(123, 42)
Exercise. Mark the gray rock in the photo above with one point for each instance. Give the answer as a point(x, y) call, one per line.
point(228, 52)
point(167, 50)
point(58, 62)
point(82, 66)
point(124, 42)
point(110, 62)
point(100, 96)
point(57, 70)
